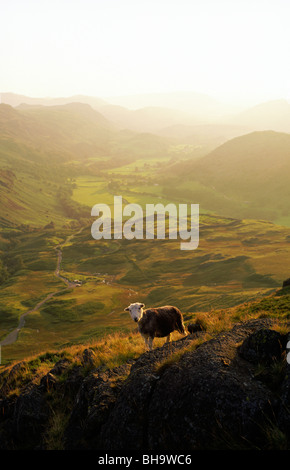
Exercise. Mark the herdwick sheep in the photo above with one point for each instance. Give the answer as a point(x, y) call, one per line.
point(156, 322)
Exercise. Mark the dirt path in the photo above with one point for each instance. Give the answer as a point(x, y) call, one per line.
point(12, 337)
point(14, 334)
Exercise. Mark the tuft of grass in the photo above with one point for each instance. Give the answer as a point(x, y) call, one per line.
point(116, 349)
point(275, 438)
point(54, 437)
point(214, 321)
point(272, 375)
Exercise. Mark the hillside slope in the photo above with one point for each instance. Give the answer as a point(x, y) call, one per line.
point(248, 176)
point(62, 131)
point(45, 146)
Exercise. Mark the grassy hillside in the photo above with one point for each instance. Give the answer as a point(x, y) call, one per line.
point(43, 148)
point(246, 177)
point(59, 131)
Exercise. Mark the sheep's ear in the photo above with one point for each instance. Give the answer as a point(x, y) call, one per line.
point(126, 309)
point(142, 305)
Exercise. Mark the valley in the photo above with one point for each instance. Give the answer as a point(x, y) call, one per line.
point(58, 161)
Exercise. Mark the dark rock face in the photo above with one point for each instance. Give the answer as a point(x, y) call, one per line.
point(30, 417)
point(132, 406)
point(286, 283)
point(210, 397)
point(263, 346)
point(196, 326)
point(93, 404)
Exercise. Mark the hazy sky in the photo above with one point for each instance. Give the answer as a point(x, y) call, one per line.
point(229, 49)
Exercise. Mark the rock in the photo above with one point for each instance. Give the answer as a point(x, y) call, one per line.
point(283, 417)
point(48, 381)
point(60, 367)
point(129, 417)
point(73, 381)
point(50, 226)
point(286, 283)
point(198, 325)
point(88, 357)
point(30, 416)
point(263, 346)
point(93, 404)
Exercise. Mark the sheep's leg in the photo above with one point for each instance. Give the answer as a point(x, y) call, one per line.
point(150, 343)
point(146, 341)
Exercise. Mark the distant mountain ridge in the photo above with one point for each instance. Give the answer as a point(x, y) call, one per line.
point(150, 113)
point(182, 101)
point(157, 112)
point(272, 115)
point(15, 99)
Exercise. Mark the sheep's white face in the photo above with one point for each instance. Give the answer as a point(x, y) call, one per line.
point(135, 310)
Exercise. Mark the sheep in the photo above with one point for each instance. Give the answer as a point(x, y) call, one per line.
point(156, 322)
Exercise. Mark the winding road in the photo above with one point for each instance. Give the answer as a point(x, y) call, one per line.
point(12, 337)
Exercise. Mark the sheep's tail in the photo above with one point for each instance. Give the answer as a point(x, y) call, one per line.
point(180, 325)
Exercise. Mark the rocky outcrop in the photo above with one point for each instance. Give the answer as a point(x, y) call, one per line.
point(286, 283)
point(209, 398)
point(231, 392)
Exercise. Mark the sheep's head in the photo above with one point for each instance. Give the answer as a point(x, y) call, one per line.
point(135, 310)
